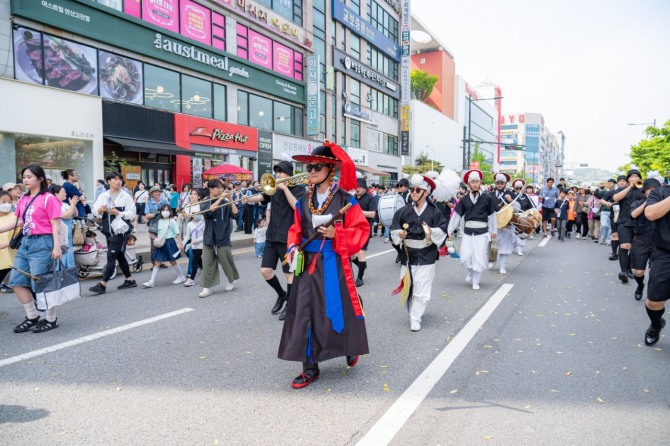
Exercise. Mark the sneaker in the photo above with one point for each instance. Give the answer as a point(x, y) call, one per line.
point(189, 282)
point(5, 289)
point(519, 252)
point(98, 289)
point(229, 287)
point(178, 280)
point(26, 325)
point(415, 325)
point(579, 236)
point(206, 292)
point(128, 283)
point(623, 277)
point(148, 284)
point(475, 286)
point(503, 270)
point(491, 265)
point(359, 282)
point(45, 325)
point(613, 257)
point(468, 278)
point(386, 240)
point(652, 335)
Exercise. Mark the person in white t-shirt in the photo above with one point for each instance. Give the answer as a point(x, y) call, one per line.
point(141, 198)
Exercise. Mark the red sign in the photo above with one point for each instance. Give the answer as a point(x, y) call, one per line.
point(208, 132)
point(474, 165)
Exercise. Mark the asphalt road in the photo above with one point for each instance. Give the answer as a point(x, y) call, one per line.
point(560, 360)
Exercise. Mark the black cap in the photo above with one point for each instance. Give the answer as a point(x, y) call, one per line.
point(404, 182)
point(285, 167)
point(621, 177)
point(611, 180)
point(650, 182)
point(631, 172)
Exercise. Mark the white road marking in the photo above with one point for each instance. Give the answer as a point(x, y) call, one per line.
point(544, 242)
point(102, 334)
point(379, 254)
point(383, 431)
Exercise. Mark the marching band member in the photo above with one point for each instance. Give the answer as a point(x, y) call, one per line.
point(525, 204)
point(506, 235)
point(642, 246)
point(479, 212)
point(625, 224)
point(367, 204)
point(421, 228)
point(324, 316)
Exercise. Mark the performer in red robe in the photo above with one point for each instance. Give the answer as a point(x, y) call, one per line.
point(324, 316)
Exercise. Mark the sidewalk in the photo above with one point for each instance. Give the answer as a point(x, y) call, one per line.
point(238, 239)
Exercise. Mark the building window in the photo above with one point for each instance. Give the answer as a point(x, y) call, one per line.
point(382, 20)
point(355, 5)
point(355, 91)
point(380, 62)
point(218, 31)
point(283, 120)
point(260, 112)
point(196, 97)
point(383, 103)
point(161, 88)
point(290, 9)
point(242, 41)
point(355, 128)
point(264, 113)
point(355, 46)
point(242, 107)
point(220, 103)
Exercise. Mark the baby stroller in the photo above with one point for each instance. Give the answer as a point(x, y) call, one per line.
point(92, 257)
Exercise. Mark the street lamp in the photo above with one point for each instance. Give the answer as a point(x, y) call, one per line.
point(643, 123)
point(469, 129)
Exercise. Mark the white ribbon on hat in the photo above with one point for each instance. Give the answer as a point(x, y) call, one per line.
point(501, 177)
point(474, 176)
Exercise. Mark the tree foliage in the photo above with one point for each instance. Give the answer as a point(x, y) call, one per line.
point(653, 153)
point(422, 84)
point(479, 156)
point(422, 164)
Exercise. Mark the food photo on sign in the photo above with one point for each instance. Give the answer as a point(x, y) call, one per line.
point(120, 78)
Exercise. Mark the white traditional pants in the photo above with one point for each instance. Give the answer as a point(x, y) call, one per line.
point(422, 277)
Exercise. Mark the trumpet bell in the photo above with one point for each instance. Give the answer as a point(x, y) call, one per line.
point(639, 184)
point(269, 183)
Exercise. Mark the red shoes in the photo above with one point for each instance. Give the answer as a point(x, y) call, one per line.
point(305, 378)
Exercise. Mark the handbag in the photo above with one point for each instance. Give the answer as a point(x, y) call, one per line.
point(15, 241)
point(159, 241)
point(59, 286)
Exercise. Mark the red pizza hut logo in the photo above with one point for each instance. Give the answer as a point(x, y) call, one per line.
point(220, 135)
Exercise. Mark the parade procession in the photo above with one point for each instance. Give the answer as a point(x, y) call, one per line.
point(334, 222)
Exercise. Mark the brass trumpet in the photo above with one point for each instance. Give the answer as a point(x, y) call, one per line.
point(269, 183)
point(639, 184)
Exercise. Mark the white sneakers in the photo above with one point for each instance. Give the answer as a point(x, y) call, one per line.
point(206, 292)
point(230, 286)
point(178, 280)
point(148, 284)
point(189, 282)
point(503, 270)
point(475, 286)
point(519, 252)
point(415, 325)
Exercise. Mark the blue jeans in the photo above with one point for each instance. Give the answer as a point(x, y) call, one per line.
point(240, 217)
point(34, 257)
point(259, 249)
point(189, 254)
point(605, 228)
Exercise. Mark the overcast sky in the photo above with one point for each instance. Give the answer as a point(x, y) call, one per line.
point(589, 66)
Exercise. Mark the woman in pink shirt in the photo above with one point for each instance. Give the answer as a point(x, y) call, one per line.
point(38, 216)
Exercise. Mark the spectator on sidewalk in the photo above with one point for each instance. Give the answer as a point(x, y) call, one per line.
point(171, 249)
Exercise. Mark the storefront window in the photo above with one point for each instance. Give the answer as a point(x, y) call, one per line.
point(242, 108)
point(283, 118)
point(355, 133)
point(260, 112)
point(161, 88)
point(297, 121)
point(220, 103)
point(19, 150)
point(196, 97)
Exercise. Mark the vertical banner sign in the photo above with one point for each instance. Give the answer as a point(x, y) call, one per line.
point(264, 152)
point(405, 76)
point(313, 97)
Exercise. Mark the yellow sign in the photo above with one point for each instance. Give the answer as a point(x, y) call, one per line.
point(404, 118)
point(131, 174)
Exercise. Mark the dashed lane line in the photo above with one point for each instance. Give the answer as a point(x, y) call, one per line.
point(383, 431)
point(544, 242)
point(92, 337)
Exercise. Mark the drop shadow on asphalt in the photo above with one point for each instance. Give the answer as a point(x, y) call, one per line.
point(20, 414)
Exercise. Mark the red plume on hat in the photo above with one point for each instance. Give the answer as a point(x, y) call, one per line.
point(348, 180)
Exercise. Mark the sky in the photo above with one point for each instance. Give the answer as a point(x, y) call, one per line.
point(589, 66)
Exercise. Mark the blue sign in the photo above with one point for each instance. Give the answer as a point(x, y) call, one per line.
point(313, 96)
point(345, 15)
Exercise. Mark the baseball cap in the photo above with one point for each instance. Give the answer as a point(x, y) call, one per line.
point(8, 186)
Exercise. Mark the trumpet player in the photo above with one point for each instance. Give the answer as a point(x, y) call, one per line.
point(626, 224)
point(281, 219)
point(216, 248)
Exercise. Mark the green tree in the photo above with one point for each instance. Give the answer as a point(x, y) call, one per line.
point(422, 164)
point(422, 84)
point(653, 153)
point(479, 156)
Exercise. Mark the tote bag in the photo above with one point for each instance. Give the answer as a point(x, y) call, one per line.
point(57, 287)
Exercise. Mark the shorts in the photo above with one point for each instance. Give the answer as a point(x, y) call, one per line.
point(625, 234)
point(614, 227)
point(548, 214)
point(273, 252)
point(658, 289)
point(34, 257)
point(641, 251)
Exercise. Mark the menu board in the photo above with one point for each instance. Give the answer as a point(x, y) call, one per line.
point(260, 50)
point(120, 78)
point(49, 60)
point(196, 22)
point(163, 13)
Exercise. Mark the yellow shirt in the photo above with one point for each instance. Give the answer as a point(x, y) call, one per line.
point(6, 254)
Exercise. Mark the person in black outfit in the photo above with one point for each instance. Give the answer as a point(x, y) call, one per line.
point(608, 200)
point(402, 189)
point(367, 204)
point(625, 225)
point(281, 218)
point(642, 246)
point(658, 211)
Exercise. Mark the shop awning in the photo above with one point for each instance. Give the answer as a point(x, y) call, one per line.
point(138, 145)
point(372, 170)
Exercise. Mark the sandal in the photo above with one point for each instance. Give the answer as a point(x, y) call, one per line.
point(45, 325)
point(305, 378)
point(26, 325)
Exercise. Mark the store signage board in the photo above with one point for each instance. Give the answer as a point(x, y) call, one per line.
point(355, 69)
point(123, 31)
point(192, 130)
point(313, 94)
point(345, 15)
point(264, 152)
point(290, 146)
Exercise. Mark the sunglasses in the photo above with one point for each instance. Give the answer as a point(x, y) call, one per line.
point(417, 190)
point(500, 182)
point(315, 167)
point(517, 188)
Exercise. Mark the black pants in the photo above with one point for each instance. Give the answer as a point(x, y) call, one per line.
point(116, 252)
point(197, 262)
point(248, 219)
point(3, 273)
point(582, 223)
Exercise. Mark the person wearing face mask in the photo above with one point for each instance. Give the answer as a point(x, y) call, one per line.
point(6, 253)
point(192, 242)
point(479, 212)
point(419, 228)
point(170, 251)
point(110, 205)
